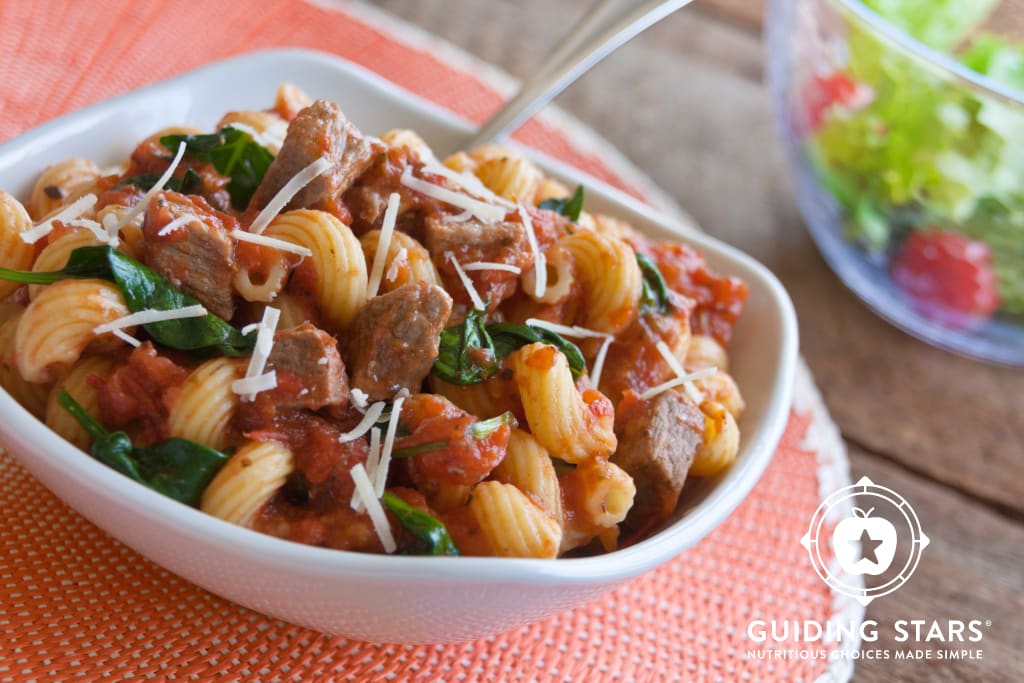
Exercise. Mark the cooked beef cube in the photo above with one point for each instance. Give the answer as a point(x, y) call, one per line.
point(310, 372)
point(658, 439)
point(319, 130)
point(198, 257)
point(394, 338)
point(474, 240)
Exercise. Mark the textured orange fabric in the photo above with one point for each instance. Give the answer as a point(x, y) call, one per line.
point(76, 603)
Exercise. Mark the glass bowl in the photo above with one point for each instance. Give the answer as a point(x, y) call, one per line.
point(908, 168)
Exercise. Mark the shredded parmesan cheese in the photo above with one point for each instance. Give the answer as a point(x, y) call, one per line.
point(566, 331)
point(115, 228)
point(466, 181)
point(359, 399)
point(371, 417)
point(273, 136)
point(401, 259)
point(483, 210)
point(127, 338)
point(489, 265)
point(671, 384)
point(273, 243)
point(691, 389)
point(461, 217)
point(150, 315)
point(176, 224)
point(380, 474)
point(595, 373)
point(285, 194)
point(387, 229)
point(474, 296)
point(73, 210)
point(372, 460)
point(540, 265)
point(248, 387)
point(97, 230)
point(260, 355)
point(373, 507)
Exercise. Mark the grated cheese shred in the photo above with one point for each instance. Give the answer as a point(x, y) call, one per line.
point(540, 265)
point(285, 194)
point(474, 296)
point(258, 360)
point(688, 386)
point(483, 210)
point(370, 418)
point(595, 372)
point(72, 211)
point(150, 315)
point(364, 489)
point(129, 216)
point(671, 384)
point(387, 230)
point(273, 243)
point(380, 474)
point(566, 331)
point(490, 265)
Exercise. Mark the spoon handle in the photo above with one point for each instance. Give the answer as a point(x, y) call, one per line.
point(599, 33)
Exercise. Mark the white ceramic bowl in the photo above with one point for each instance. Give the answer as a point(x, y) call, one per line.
point(375, 597)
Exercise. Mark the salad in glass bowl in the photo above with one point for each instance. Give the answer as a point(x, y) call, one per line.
point(903, 121)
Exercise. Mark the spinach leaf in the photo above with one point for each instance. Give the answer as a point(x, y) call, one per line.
point(466, 354)
point(178, 468)
point(190, 183)
point(655, 291)
point(143, 288)
point(430, 531)
point(570, 208)
point(508, 337)
point(234, 154)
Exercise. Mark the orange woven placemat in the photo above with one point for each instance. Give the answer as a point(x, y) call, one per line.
point(75, 603)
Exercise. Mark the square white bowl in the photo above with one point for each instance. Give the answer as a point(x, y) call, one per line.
point(363, 596)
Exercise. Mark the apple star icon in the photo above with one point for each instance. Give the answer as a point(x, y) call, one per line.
point(863, 542)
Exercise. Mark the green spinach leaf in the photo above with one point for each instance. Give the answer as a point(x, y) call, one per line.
point(570, 208)
point(466, 354)
point(234, 154)
point(178, 468)
point(143, 288)
point(655, 295)
point(429, 530)
point(508, 337)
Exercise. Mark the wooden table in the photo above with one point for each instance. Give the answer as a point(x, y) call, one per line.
point(685, 102)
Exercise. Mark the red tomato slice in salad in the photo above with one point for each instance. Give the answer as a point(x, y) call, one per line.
point(836, 89)
point(948, 275)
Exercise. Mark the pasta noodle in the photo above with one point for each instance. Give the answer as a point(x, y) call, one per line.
point(337, 259)
point(55, 255)
point(58, 326)
point(721, 441)
point(572, 426)
point(528, 467)
point(61, 184)
point(15, 253)
point(78, 383)
point(203, 408)
point(248, 480)
point(609, 273)
point(514, 524)
point(32, 396)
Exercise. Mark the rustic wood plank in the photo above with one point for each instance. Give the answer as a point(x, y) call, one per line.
point(971, 570)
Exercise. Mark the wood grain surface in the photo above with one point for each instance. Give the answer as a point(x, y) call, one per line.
point(685, 102)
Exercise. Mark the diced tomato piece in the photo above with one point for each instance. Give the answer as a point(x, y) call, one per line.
point(948, 275)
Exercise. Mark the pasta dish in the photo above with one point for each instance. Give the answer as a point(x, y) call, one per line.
point(344, 341)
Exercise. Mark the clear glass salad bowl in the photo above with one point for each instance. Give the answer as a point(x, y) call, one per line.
point(908, 162)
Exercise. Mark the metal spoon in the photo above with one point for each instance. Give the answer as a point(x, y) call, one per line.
point(600, 32)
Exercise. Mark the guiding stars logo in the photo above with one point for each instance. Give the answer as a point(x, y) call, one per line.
point(865, 542)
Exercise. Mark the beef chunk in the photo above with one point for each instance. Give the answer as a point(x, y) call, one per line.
point(319, 130)
point(658, 439)
point(198, 257)
point(394, 338)
point(310, 373)
point(474, 240)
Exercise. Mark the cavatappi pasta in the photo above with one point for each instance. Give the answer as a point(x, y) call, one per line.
point(342, 340)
